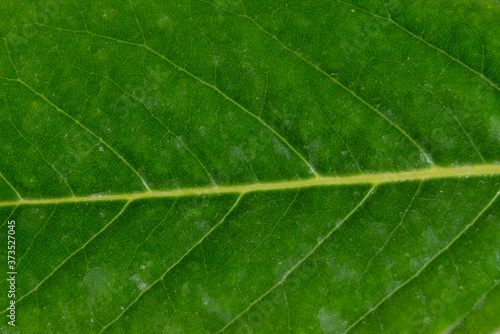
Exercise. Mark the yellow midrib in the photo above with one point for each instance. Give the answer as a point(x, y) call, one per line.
point(374, 179)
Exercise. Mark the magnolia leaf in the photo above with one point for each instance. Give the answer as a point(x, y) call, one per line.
point(261, 166)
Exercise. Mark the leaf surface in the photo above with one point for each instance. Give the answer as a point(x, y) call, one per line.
point(251, 167)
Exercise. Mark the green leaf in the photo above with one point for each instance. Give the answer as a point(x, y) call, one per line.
point(262, 166)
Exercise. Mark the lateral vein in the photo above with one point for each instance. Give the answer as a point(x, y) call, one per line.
point(374, 179)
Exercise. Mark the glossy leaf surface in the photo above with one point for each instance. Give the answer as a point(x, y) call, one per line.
point(251, 167)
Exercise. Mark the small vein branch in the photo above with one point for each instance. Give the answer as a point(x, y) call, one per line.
point(300, 261)
point(72, 254)
point(173, 265)
point(373, 309)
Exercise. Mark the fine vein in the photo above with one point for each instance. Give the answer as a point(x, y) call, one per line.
point(86, 129)
point(458, 61)
point(301, 261)
point(205, 83)
point(72, 254)
point(175, 264)
point(338, 83)
point(426, 265)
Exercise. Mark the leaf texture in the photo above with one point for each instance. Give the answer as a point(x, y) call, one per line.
point(273, 166)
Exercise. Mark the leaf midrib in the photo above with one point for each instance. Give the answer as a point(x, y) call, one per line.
point(374, 179)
